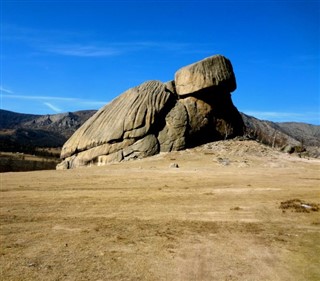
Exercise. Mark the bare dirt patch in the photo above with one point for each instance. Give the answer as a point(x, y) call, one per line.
point(143, 220)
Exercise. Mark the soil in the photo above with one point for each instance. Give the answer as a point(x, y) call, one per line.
point(216, 215)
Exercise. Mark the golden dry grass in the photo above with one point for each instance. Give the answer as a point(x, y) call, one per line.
point(206, 220)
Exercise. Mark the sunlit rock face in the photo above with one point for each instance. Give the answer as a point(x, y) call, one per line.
point(193, 109)
point(212, 72)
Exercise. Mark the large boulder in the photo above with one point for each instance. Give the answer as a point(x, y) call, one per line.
point(213, 71)
point(156, 116)
point(129, 116)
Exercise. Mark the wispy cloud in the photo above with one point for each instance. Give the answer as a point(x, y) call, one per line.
point(83, 50)
point(273, 114)
point(34, 97)
point(4, 90)
point(48, 101)
point(50, 42)
point(53, 107)
point(313, 117)
point(114, 48)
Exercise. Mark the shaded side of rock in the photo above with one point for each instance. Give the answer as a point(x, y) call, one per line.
point(173, 135)
point(144, 147)
point(212, 116)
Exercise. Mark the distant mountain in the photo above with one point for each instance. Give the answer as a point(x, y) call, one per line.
point(281, 134)
point(307, 134)
point(20, 131)
point(62, 123)
point(11, 120)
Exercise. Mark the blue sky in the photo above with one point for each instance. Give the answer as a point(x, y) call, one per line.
point(59, 56)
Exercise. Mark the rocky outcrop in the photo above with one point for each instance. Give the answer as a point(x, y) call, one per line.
point(214, 71)
point(153, 117)
point(129, 117)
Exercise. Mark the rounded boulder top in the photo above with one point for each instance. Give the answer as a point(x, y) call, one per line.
point(209, 72)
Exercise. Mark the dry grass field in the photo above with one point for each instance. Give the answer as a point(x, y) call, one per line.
point(216, 217)
point(17, 162)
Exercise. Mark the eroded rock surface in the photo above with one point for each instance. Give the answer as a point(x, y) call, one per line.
point(156, 117)
point(210, 72)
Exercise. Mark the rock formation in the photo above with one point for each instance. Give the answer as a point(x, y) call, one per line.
point(213, 71)
point(156, 117)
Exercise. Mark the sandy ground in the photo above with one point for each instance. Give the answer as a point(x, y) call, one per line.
point(216, 217)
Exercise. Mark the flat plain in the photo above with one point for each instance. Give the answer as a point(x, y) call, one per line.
point(217, 216)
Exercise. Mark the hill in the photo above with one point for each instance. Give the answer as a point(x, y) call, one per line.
point(307, 134)
point(25, 132)
point(10, 120)
point(297, 137)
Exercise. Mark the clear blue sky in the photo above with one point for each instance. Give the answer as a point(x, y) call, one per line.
point(59, 56)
